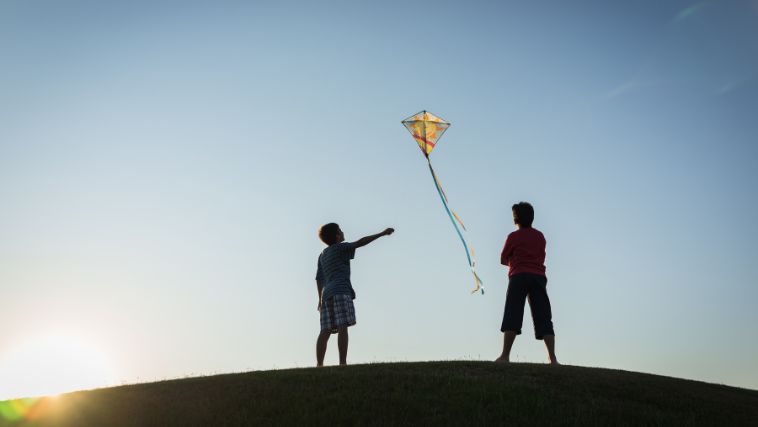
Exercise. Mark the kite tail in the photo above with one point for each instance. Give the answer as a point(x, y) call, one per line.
point(479, 286)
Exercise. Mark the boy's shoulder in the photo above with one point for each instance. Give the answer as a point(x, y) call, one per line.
point(338, 248)
point(526, 231)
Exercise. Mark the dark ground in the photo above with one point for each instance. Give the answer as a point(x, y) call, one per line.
point(430, 393)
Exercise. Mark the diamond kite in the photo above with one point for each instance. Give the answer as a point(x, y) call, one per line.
point(427, 129)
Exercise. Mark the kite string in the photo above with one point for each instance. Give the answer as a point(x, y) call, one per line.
point(457, 218)
point(472, 264)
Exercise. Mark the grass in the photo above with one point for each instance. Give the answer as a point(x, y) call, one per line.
point(429, 393)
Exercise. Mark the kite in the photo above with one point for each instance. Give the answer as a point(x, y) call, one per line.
point(426, 129)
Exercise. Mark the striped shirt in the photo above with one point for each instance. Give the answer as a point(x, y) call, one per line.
point(334, 270)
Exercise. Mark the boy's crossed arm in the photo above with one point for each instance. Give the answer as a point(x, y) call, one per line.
point(368, 239)
point(505, 256)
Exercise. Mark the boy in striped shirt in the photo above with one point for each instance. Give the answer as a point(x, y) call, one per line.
point(335, 291)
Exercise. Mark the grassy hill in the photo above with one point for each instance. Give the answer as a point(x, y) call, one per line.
point(432, 393)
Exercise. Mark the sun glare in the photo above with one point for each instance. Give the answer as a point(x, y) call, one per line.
point(51, 365)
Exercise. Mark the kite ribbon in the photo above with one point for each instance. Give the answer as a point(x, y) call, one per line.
point(453, 217)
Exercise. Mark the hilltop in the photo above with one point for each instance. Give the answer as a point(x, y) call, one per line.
point(429, 393)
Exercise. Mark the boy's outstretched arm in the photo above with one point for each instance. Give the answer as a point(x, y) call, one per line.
point(368, 239)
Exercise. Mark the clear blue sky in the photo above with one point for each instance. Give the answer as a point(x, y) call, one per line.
point(164, 169)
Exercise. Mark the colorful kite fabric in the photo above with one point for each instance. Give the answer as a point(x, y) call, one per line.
point(426, 129)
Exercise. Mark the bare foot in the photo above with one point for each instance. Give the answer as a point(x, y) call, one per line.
point(502, 359)
point(554, 363)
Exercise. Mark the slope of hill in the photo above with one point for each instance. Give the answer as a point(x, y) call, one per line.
point(430, 393)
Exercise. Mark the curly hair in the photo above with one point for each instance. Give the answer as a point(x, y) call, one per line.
point(328, 233)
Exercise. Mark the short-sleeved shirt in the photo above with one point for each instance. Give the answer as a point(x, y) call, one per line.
point(524, 252)
point(334, 270)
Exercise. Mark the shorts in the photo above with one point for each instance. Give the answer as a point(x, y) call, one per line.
point(337, 311)
point(533, 286)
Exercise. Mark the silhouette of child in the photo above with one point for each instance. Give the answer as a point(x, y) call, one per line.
point(335, 292)
point(524, 254)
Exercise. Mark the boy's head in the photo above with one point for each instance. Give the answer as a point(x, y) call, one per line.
point(331, 234)
point(523, 214)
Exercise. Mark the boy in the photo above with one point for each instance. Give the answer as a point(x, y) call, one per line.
point(524, 254)
point(335, 292)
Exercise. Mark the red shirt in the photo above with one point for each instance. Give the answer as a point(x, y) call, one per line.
point(524, 252)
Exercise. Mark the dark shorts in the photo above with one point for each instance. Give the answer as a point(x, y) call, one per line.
point(337, 311)
point(520, 287)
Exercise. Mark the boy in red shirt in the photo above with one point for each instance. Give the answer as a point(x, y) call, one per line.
point(524, 254)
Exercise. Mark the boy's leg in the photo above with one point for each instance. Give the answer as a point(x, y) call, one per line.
point(513, 315)
point(345, 317)
point(342, 344)
point(550, 345)
point(323, 338)
point(508, 338)
point(327, 320)
point(542, 316)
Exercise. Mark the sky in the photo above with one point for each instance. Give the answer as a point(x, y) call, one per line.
point(165, 167)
